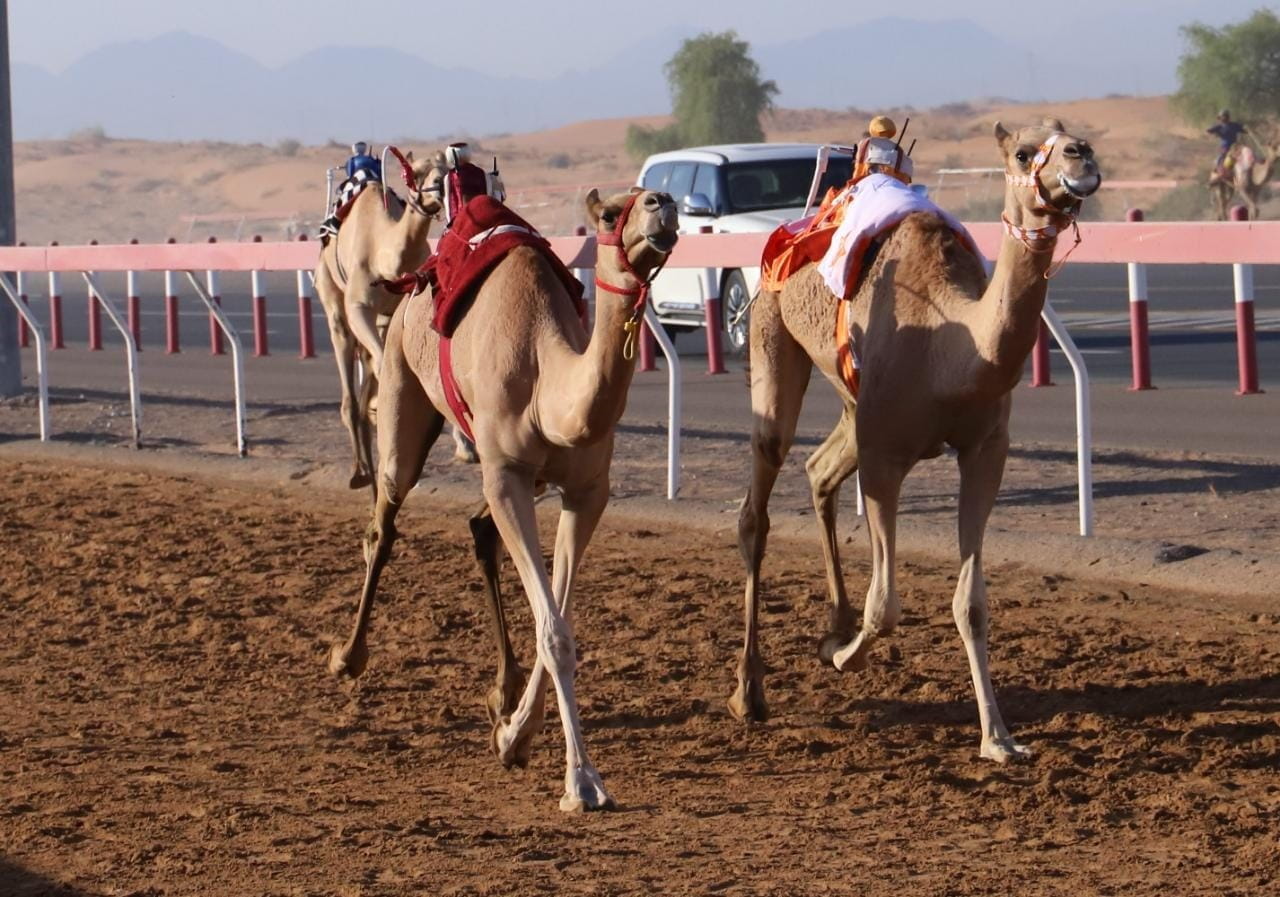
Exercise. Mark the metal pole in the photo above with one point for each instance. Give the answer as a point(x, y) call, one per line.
point(10, 357)
point(1084, 421)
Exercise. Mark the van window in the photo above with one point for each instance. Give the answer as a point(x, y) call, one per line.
point(657, 176)
point(707, 182)
point(681, 183)
point(780, 183)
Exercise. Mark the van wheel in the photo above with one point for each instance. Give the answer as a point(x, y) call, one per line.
point(736, 318)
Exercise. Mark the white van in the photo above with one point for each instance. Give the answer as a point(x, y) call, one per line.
point(738, 188)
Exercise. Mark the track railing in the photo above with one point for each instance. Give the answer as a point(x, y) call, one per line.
point(1135, 243)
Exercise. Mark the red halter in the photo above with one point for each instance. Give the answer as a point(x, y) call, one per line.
point(641, 289)
point(1044, 238)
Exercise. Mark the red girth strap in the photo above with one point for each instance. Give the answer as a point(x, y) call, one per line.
point(453, 395)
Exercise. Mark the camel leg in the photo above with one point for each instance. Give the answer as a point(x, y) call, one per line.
point(509, 491)
point(881, 485)
point(779, 375)
point(981, 469)
point(501, 700)
point(582, 508)
point(364, 424)
point(410, 425)
point(834, 461)
point(344, 354)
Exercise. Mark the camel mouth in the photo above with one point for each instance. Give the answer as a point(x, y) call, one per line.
point(1080, 188)
point(663, 241)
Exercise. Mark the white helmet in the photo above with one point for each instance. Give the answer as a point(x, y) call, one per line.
point(457, 154)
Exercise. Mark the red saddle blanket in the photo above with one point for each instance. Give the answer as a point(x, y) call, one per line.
point(481, 236)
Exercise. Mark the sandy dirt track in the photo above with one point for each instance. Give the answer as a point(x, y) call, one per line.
point(167, 726)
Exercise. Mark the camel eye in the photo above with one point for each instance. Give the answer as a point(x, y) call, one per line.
point(1022, 156)
point(609, 217)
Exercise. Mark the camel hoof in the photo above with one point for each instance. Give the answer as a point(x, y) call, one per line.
point(853, 657)
point(831, 643)
point(466, 455)
point(501, 700)
point(348, 662)
point(747, 703)
point(1002, 750)
point(586, 794)
point(359, 480)
point(513, 754)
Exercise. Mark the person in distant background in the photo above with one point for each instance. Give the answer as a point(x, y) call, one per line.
point(361, 161)
point(1229, 133)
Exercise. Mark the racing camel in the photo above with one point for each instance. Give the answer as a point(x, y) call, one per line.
point(1246, 178)
point(544, 399)
point(375, 247)
point(941, 348)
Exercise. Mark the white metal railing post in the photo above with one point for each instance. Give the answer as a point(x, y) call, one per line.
point(42, 372)
point(237, 358)
point(1084, 424)
point(673, 400)
point(131, 352)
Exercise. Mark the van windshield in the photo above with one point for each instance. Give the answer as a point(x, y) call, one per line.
point(780, 183)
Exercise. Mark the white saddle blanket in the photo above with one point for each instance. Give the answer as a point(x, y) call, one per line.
point(878, 203)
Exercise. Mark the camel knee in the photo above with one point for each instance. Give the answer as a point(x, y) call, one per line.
point(753, 531)
point(770, 449)
point(555, 644)
point(883, 613)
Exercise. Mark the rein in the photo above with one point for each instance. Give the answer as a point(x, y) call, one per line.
point(641, 290)
point(410, 183)
point(1045, 237)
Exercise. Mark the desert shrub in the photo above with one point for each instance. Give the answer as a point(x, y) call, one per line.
point(559, 160)
point(288, 147)
point(93, 134)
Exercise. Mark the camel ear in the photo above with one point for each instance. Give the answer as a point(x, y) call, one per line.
point(1003, 137)
point(1053, 124)
point(594, 207)
point(409, 155)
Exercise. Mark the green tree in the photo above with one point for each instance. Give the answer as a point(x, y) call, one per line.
point(1235, 67)
point(717, 96)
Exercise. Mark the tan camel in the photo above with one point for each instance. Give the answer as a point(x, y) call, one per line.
point(545, 399)
point(1247, 179)
point(941, 349)
point(375, 246)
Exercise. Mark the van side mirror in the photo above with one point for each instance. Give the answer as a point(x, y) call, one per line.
point(696, 204)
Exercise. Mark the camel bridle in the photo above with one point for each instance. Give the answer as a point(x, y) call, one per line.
point(1045, 237)
point(641, 289)
point(414, 202)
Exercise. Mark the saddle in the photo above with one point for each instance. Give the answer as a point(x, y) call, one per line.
point(483, 232)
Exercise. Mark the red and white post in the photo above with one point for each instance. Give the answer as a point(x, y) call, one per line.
point(133, 303)
point(95, 316)
point(172, 338)
point(214, 287)
point(1040, 375)
point(55, 308)
point(1246, 331)
point(306, 336)
point(24, 334)
point(260, 348)
point(711, 307)
point(1139, 331)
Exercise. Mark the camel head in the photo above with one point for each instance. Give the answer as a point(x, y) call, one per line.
point(642, 224)
point(1048, 170)
point(428, 175)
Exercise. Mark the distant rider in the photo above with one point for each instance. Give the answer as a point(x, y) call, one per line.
point(1228, 133)
point(361, 161)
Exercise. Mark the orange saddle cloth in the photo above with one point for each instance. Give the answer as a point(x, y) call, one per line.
point(797, 243)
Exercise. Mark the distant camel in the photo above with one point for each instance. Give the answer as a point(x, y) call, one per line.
point(545, 398)
point(940, 348)
point(1246, 178)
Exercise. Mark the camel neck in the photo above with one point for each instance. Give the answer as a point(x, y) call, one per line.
point(1011, 306)
point(592, 394)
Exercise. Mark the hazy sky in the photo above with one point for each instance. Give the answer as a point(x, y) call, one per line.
point(526, 37)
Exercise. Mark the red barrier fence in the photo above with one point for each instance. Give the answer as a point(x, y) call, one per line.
point(1135, 243)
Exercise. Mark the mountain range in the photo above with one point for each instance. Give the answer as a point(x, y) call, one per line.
point(181, 86)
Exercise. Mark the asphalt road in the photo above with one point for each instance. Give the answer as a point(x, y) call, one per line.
point(1193, 353)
